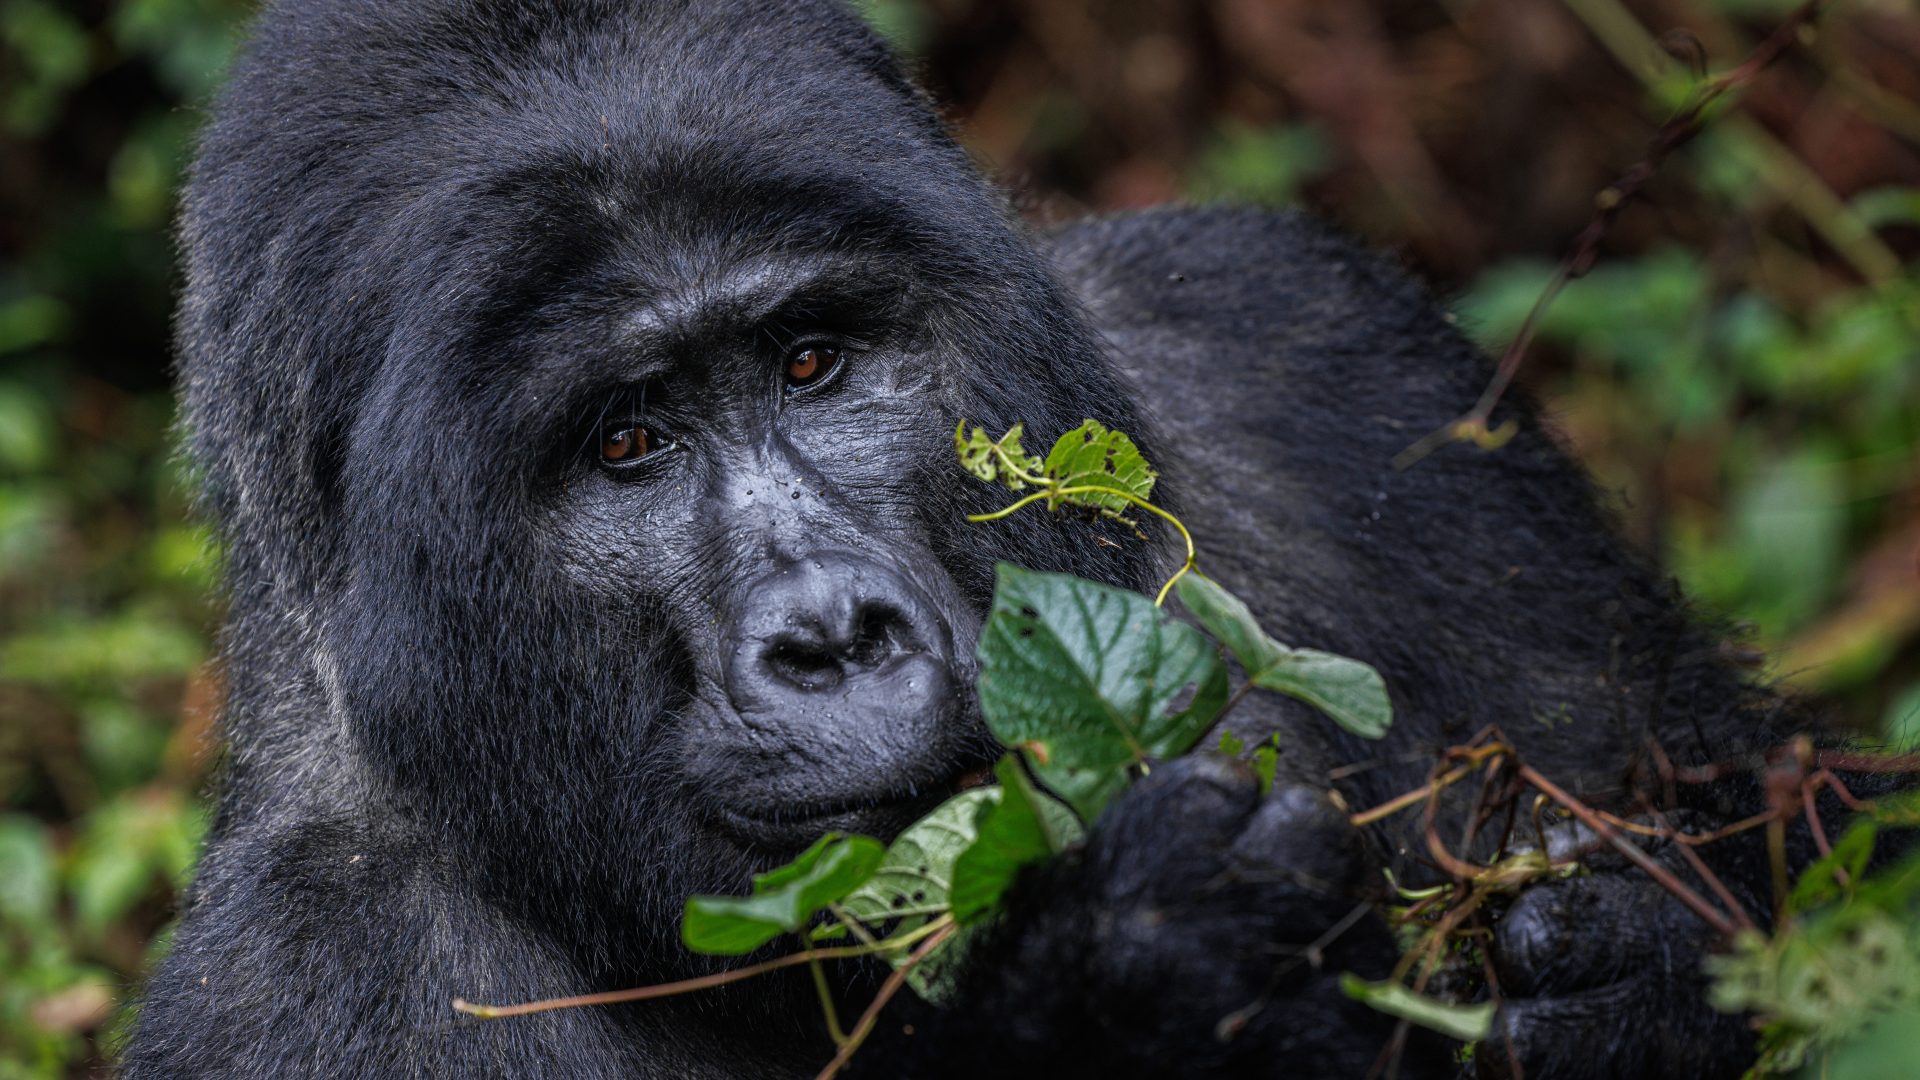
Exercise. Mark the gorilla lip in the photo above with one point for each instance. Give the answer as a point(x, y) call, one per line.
point(787, 825)
point(879, 815)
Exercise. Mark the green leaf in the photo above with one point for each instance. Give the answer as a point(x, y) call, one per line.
point(1350, 692)
point(784, 899)
point(1266, 762)
point(1091, 681)
point(1467, 1023)
point(1883, 206)
point(913, 883)
point(1818, 884)
point(1092, 455)
point(982, 456)
point(107, 881)
point(28, 887)
point(1900, 810)
point(1013, 832)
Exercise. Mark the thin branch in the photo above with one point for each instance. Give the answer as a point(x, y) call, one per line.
point(703, 982)
point(887, 991)
point(1680, 889)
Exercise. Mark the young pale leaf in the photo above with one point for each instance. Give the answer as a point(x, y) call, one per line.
point(784, 899)
point(1350, 692)
point(1091, 455)
point(1013, 832)
point(1091, 681)
point(1467, 1023)
point(981, 456)
point(1266, 762)
point(913, 883)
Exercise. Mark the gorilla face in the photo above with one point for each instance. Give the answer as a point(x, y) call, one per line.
point(658, 541)
point(747, 476)
point(580, 432)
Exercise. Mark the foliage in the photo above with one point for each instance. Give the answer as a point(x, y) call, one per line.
point(1088, 685)
point(104, 584)
point(1833, 986)
point(1725, 367)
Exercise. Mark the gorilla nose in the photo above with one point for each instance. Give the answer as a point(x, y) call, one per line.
point(838, 628)
point(856, 637)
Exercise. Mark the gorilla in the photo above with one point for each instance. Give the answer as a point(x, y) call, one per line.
point(572, 386)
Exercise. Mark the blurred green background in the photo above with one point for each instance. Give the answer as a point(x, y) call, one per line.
point(1741, 371)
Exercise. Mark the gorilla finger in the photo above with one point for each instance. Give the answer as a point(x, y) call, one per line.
point(1204, 792)
point(1593, 931)
point(1627, 1031)
point(1202, 800)
point(1298, 837)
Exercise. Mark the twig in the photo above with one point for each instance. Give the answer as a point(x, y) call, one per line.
point(703, 982)
point(1706, 874)
point(887, 991)
point(1680, 889)
point(1401, 802)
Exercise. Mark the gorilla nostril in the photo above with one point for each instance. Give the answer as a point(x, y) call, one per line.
point(876, 637)
point(806, 665)
point(835, 624)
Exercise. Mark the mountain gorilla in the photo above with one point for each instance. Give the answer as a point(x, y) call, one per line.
point(573, 385)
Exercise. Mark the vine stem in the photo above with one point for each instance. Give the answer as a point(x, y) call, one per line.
point(887, 992)
point(827, 1007)
point(1193, 556)
point(704, 982)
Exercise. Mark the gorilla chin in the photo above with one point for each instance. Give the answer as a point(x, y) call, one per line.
point(573, 383)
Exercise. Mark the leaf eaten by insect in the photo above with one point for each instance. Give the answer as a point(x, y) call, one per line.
point(1092, 681)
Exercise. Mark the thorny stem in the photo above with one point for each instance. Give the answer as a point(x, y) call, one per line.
point(888, 990)
point(1193, 556)
point(705, 982)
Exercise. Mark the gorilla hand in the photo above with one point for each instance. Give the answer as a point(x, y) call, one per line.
point(1202, 931)
point(1603, 976)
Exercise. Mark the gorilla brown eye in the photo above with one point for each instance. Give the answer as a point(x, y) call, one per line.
point(625, 444)
point(810, 365)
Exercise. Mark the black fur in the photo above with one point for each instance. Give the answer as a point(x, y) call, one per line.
point(495, 710)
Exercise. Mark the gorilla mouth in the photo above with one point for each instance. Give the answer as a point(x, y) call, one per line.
point(791, 826)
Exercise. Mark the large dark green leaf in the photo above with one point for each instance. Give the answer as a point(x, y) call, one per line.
point(1091, 681)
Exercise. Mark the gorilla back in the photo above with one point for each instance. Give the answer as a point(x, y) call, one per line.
point(573, 385)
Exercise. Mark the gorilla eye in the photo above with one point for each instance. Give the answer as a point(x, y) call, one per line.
point(623, 444)
point(810, 365)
